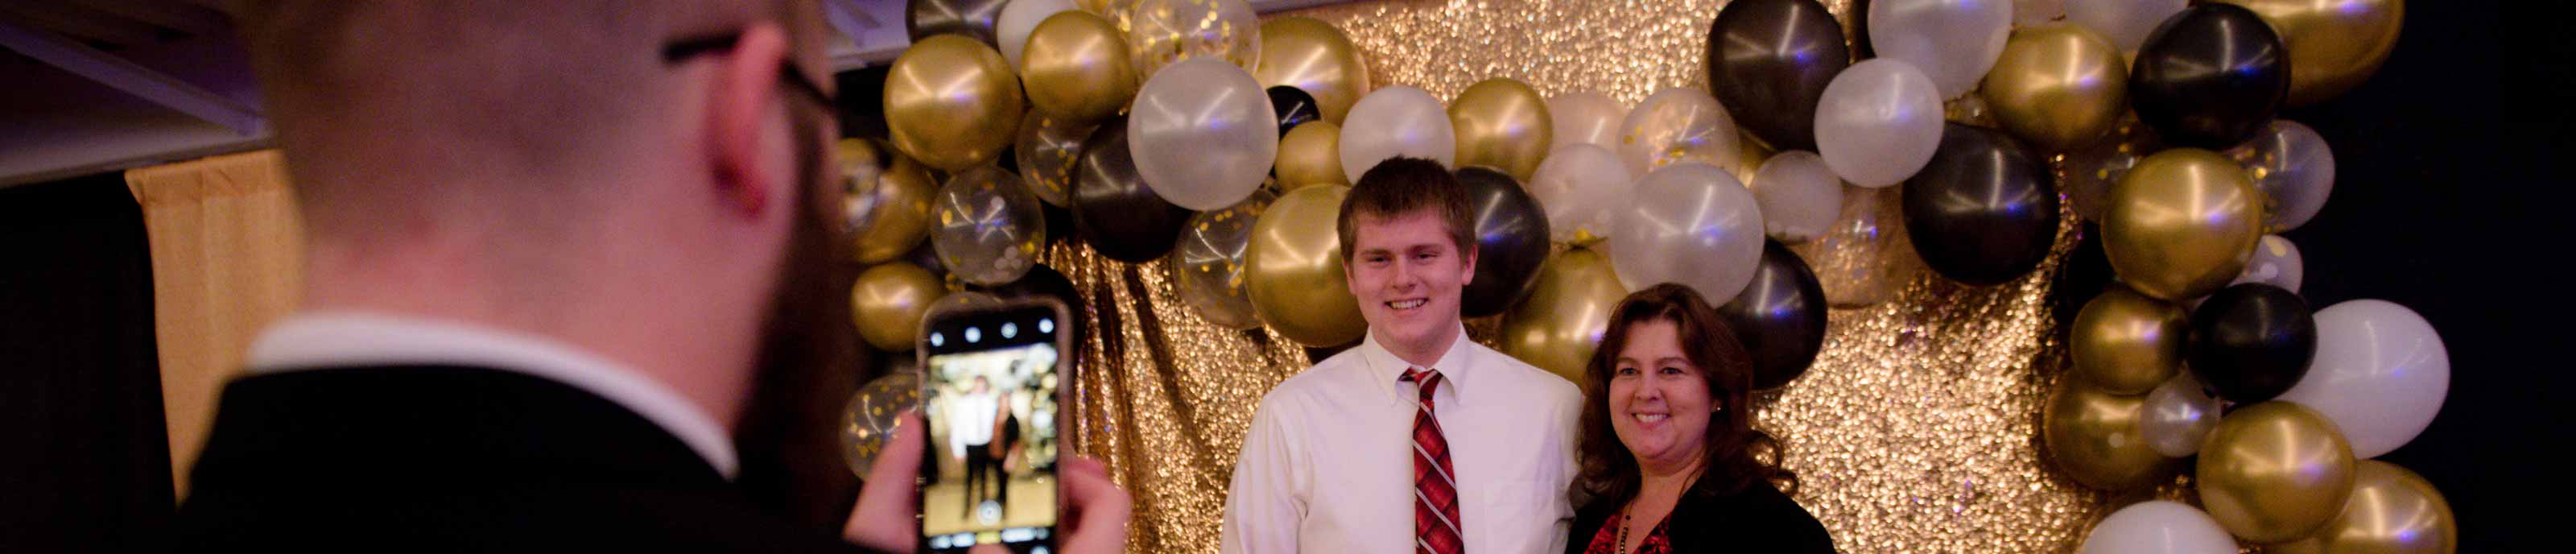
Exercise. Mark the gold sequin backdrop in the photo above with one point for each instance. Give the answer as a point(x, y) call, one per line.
point(1916, 431)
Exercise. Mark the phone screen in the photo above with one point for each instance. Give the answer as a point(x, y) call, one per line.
point(989, 393)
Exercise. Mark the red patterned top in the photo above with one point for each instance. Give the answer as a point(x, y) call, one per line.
point(1607, 540)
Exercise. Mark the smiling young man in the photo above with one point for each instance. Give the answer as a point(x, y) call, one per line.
point(1417, 440)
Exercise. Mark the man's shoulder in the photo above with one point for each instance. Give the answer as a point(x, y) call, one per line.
point(1332, 377)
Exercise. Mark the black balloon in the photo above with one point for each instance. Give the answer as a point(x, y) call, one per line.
point(973, 18)
point(1046, 282)
point(1114, 209)
point(2084, 274)
point(1511, 241)
point(1780, 317)
point(1984, 211)
point(1294, 106)
point(1769, 62)
point(2251, 341)
point(2210, 77)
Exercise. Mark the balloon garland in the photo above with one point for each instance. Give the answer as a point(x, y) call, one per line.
point(1238, 140)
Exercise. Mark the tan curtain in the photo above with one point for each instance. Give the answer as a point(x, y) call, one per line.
point(227, 258)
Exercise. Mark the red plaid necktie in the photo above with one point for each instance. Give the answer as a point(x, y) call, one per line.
point(1435, 490)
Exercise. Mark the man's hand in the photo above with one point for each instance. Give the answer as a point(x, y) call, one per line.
point(1096, 510)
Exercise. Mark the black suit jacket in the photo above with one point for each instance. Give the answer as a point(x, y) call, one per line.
point(456, 459)
point(1756, 520)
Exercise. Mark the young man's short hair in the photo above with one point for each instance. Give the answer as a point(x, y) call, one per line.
point(1400, 186)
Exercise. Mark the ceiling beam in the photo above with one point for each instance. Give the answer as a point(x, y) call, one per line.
point(135, 79)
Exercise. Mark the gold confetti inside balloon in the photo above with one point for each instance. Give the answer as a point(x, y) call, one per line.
point(870, 417)
point(1161, 32)
point(1208, 265)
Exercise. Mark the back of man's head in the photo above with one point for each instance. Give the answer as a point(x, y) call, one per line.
point(396, 112)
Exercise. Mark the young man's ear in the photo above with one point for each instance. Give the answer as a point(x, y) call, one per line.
point(1467, 256)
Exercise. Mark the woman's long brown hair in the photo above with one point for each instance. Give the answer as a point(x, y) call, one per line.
point(1735, 454)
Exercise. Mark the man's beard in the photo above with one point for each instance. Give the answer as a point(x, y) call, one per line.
point(808, 365)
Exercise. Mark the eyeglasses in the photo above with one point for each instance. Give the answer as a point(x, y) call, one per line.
point(795, 78)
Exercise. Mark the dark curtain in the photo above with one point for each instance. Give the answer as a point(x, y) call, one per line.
point(84, 457)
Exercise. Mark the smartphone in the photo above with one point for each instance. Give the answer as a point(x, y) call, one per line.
point(993, 381)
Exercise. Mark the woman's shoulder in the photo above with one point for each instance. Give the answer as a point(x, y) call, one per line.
point(1758, 514)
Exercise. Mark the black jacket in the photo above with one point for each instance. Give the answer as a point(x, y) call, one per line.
point(1756, 520)
point(454, 459)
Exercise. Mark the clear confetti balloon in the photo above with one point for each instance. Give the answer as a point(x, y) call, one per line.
point(987, 226)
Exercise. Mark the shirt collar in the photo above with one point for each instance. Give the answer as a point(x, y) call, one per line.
point(326, 339)
point(1387, 371)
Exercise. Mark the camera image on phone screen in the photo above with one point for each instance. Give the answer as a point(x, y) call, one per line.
point(989, 397)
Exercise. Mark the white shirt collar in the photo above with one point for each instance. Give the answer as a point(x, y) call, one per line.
point(326, 339)
point(1386, 369)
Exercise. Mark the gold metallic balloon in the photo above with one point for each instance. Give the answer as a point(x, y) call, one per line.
point(1294, 269)
point(892, 191)
point(951, 102)
point(2182, 223)
point(2392, 511)
point(2127, 343)
point(1315, 57)
point(888, 302)
point(1559, 325)
point(2094, 437)
point(1161, 32)
point(2334, 44)
point(1311, 154)
point(1502, 123)
point(2274, 472)
point(1077, 67)
point(2058, 86)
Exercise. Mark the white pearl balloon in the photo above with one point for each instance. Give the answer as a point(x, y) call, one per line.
point(1690, 223)
point(1017, 19)
point(2125, 22)
point(1585, 117)
point(1878, 122)
point(1395, 121)
point(2293, 167)
point(2380, 373)
point(2028, 13)
point(2158, 527)
point(2177, 416)
point(1202, 133)
point(1585, 190)
point(1952, 41)
point(2276, 262)
point(1800, 197)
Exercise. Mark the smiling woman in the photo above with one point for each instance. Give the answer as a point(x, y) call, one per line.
point(1670, 459)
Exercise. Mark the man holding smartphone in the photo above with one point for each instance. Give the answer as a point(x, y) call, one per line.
point(572, 283)
point(1417, 440)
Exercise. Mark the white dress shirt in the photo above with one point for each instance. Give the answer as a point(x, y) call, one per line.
point(970, 422)
point(328, 339)
point(1328, 463)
